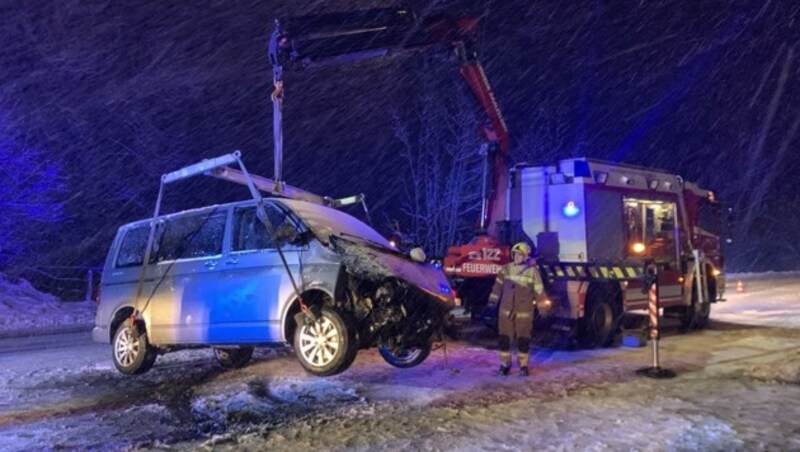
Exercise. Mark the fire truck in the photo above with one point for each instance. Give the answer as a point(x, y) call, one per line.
point(595, 225)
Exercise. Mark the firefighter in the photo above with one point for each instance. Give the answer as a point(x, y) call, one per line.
point(516, 288)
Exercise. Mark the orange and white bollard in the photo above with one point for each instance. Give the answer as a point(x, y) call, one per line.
point(739, 286)
point(654, 371)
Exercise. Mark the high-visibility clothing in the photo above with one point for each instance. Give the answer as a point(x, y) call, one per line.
point(516, 288)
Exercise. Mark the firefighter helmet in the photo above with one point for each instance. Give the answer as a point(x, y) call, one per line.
point(522, 248)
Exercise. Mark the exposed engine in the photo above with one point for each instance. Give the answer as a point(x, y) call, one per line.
point(395, 314)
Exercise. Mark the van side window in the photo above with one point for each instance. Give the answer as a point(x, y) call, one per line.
point(191, 236)
point(248, 231)
point(131, 250)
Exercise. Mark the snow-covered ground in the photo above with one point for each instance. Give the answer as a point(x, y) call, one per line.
point(737, 389)
point(769, 299)
point(24, 309)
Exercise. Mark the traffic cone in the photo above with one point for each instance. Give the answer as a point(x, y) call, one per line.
point(739, 286)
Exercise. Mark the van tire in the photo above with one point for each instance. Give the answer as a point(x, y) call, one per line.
point(326, 346)
point(130, 350)
point(233, 357)
point(406, 358)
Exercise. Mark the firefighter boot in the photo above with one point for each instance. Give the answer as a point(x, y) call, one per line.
point(523, 354)
point(505, 356)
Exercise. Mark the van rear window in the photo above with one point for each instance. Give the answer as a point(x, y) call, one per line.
point(131, 250)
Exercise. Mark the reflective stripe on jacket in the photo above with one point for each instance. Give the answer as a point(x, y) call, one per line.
point(516, 287)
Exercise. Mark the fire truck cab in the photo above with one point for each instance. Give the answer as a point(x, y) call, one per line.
point(596, 226)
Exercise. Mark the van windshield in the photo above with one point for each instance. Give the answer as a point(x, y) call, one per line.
point(325, 221)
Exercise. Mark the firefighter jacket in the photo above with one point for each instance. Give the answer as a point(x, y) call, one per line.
point(517, 287)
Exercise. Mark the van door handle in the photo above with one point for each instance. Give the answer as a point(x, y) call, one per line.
point(210, 264)
point(232, 261)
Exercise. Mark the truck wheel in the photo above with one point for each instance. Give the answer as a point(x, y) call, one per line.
point(598, 325)
point(326, 346)
point(404, 359)
point(233, 358)
point(695, 316)
point(131, 352)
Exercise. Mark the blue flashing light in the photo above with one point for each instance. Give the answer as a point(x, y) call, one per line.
point(571, 210)
point(445, 289)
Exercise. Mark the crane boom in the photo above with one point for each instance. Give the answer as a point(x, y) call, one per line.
point(337, 38)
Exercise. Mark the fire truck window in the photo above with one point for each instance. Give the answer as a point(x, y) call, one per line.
point(709, 218)
point(652, 224)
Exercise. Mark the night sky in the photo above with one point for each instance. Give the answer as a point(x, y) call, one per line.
point(98, 99)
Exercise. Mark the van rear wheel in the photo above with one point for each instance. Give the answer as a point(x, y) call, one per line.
point(131, 351)
point(232, 357)
point(326, 346)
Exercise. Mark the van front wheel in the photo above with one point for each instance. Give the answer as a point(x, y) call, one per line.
point(131, 352)
point(405, 358)
point(325, 346)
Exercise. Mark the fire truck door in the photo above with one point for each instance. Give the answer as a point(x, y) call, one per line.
point(652, 234)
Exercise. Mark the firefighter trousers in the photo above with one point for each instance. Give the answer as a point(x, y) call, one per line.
point(515, 327)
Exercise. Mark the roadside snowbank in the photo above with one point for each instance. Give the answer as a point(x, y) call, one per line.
point(22, 307)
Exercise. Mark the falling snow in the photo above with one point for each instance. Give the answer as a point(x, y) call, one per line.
point(115, 95)
point(98, 99)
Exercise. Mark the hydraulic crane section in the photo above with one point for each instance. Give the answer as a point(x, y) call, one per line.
point(338, 38)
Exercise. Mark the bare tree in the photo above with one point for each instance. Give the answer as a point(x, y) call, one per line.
point(440, 146)
point(32, 194)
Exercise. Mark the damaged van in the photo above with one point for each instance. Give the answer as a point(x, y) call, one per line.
point(316, 278)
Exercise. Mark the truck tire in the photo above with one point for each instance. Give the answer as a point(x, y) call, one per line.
point(232, 357)
point(131, 352)
point(696, 315)
point(405, 358)
point(601, 320)
point(326, 346)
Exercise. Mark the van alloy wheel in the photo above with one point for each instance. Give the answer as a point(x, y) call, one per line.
point(127, 347)
point(131, 351)
point(327, 345)
point(319, 342)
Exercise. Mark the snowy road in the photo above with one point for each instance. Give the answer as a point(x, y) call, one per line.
point(737, 389)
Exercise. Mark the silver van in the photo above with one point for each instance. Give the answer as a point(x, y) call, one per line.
point(217, 277)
